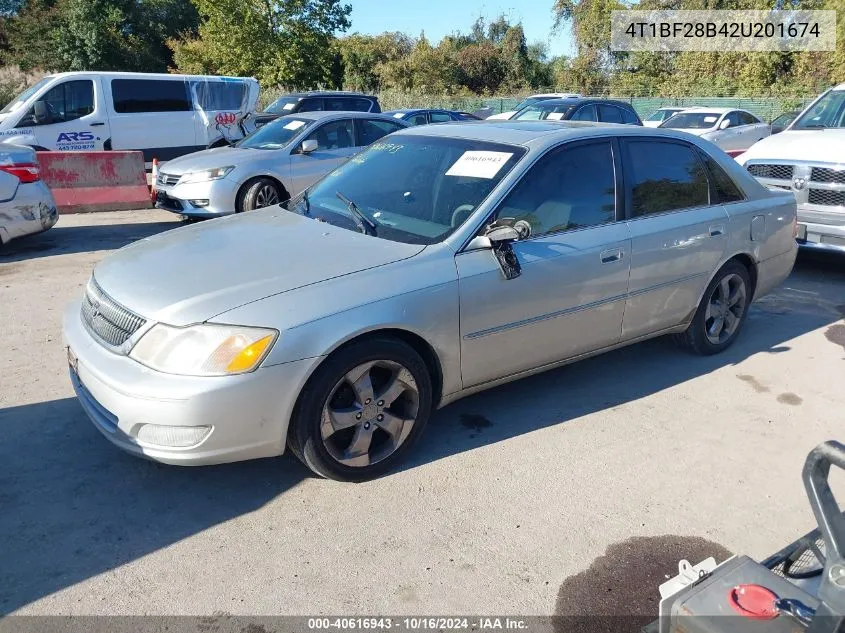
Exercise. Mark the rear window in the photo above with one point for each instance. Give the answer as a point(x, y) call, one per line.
point(283, 105)
point(629, 116)
point(692, 121)
point(150, 95)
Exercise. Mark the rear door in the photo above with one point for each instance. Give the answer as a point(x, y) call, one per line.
point(220, 106)
point(155, 116)
point(678, 236)
point(584, 113)
point(753, 129)
point(609, 113)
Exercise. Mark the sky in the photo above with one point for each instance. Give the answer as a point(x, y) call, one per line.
point(442, 17)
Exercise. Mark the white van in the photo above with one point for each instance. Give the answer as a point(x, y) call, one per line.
point(164, 116)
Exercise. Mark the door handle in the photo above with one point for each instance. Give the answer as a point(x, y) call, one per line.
point(611, 256)
point(716, 230)
point(96, 123)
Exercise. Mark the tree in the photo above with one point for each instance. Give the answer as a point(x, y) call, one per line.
point(480, 67)
point(364, 58)
point(281, 42)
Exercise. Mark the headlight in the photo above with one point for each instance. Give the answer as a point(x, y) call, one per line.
point(204, 350)
point(205, 175)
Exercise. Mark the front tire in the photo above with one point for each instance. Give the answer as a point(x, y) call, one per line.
point(721, 313)
point(260, 193)
point(362, 410)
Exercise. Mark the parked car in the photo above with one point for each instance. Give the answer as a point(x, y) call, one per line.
point(26, 203)
point(533, 99)
point(439, 262)
point(421, 116)
point(730, 129)
point(581, 109)
point(779, 124)
point(162, 115)
point(808, 160)
point(270, 165)
point(660, 115)
point(315, 101)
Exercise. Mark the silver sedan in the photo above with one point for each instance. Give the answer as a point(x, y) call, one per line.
point(269, 166)
point(441, 261)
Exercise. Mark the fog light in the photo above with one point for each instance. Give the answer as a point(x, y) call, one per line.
point(199, 203)
point(172, 436)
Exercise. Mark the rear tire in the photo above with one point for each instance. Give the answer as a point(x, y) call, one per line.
point(260, 193)
point(342, 433)
point(721, 313)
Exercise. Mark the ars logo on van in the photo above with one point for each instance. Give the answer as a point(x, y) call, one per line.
point(75, 137)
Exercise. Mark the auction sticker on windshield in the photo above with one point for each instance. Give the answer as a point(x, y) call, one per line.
point(479, 164)
point(294, 125)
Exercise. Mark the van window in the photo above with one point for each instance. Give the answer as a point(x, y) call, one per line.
point(67, 101)
point(149, 95)
point(220, 95)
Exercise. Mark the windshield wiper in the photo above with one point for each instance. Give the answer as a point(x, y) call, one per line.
point(365, 224)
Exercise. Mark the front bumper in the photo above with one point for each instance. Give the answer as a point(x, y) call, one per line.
point(820, 229)
point(248, 414)
point(221, 195)
point(32, 210)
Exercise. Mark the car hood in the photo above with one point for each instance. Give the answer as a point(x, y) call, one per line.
point(211, 158)
point(801, 145)
point(191, 274)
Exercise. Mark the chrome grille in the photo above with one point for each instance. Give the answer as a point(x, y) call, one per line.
point(824, 174)
point(765, 170)
point(107, 320)
point(167, 179)
point(826, 198)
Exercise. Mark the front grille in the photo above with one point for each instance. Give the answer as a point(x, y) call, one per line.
point(765, 170)
point(107, 320)
point(824, 174)
point(167, 179)
point(826, 198)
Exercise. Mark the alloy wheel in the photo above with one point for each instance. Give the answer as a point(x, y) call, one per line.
point(725, 309)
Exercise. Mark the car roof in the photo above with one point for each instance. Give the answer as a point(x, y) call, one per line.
point(319, 115)
point(713, 110)
point(535, 133)
point(573, 101)
point(410, 110)
point(327, 93)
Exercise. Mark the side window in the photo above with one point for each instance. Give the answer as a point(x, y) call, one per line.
point(149, 95)
point(664, 177)
point(66, 102)
point(418, 119)
point(334, 135)
point(746, 118)
point(440, 117)
point(220, 95)
point(337, 104)
point(371, 130)
point(722, 188)
point(361, 105)
point(630, 117)
point(310, 104)
point(584, 113)
point(609, 114)
point(572, 188)
point(733, 117)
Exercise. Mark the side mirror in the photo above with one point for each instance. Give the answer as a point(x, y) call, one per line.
point(41, 113)
point(502, 234)
point(308, 146)
point(724, 125)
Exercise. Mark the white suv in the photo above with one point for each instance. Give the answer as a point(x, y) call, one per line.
point(808, 158)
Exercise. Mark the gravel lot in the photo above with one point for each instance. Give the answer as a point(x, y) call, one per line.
point(618, 465)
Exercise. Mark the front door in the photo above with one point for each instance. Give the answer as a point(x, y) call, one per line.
point(76, 120)
point(678, 236)
point(570, 296)
point(335, 144)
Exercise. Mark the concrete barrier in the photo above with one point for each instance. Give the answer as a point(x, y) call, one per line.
point(95, 181)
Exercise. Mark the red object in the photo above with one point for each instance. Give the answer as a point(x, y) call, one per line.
point(155, 177)
point(25, 172)
point(226, 118)
point(96, 181)
point(753, 601)
point(733, 153)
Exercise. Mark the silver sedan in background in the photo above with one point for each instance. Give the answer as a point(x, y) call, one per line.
point(26, 202)
point(440, 261)
point(269, 166)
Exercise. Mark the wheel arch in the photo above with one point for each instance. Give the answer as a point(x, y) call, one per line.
point(249, 181)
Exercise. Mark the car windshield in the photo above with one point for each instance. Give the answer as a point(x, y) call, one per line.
point(692, 120)
point(280, 106)
point(828, 112)
point(540, 112)
point(18, 101)
point(527, 102)
point(413, 189)
point(784, 119)
point(276, 134)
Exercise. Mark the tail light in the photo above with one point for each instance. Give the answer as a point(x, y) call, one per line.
point(25, 172)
